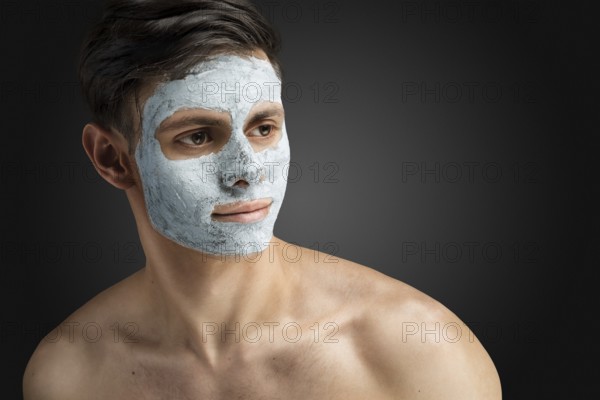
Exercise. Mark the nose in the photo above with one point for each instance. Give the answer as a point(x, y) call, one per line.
point(241, 168)
point(241, 183)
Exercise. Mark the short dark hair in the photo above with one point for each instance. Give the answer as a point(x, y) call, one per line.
point(141, 41)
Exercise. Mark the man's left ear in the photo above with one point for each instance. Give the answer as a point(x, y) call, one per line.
point(108, 151)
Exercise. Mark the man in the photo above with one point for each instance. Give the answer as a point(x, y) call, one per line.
point(189, 122)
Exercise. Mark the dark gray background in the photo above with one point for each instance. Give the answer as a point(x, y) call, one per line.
point(422, 130)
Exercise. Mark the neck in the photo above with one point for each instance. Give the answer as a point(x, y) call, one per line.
point(213, 287)
point(195, 297)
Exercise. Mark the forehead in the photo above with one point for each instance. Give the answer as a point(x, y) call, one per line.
point(221, 69)
point(227, 82)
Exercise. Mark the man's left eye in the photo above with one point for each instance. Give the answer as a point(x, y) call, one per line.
point(262, 130)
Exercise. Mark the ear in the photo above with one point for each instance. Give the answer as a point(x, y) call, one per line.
point(108, 151)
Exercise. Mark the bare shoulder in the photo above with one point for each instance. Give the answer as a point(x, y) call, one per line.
point(66, 360)
point(54, 371)
point(413, 345)
point(415, 339)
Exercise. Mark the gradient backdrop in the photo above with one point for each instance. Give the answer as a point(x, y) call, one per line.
point(451, 145)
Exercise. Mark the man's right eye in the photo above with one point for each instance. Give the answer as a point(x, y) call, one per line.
point(195, 139)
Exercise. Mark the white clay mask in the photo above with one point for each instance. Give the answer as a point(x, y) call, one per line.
point(181, 194)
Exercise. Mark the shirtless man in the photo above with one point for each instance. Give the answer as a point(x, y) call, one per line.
point(189, 123)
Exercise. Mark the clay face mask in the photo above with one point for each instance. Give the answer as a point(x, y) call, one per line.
point(181, 194)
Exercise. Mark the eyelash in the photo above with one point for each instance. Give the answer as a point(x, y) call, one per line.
point(190, 135)
point(272, 128)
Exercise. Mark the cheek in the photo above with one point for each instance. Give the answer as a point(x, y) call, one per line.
point(276, 162)
point(175, 182)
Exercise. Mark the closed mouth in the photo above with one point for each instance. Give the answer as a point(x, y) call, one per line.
point(242, 207)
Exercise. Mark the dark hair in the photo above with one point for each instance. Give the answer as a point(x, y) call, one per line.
point(138, 42)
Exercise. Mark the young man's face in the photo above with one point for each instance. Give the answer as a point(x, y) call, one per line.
point(215, 138)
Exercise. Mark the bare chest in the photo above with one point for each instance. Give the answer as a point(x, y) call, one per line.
point(294, 371)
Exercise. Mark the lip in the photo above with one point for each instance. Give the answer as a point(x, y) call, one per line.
point(248, 211)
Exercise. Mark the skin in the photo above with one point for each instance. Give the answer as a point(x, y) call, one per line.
point(367, 345)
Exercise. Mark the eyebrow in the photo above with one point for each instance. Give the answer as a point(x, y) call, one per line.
point(186, 121)
point(190, 120)
point(259, 116)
